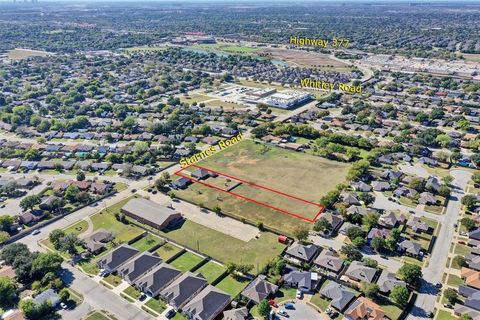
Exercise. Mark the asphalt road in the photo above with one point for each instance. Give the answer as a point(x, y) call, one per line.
point(433, 273)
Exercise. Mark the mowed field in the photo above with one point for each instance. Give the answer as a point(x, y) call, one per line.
point(19, 54)
point(294, 173)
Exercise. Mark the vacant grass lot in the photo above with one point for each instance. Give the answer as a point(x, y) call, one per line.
point(294, 173)
point(211, 271)
point(232, 286)
point(19, 54)
point(186, 261)
point(225, 248)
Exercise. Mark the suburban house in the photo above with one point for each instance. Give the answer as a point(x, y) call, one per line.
point(339, 295)
point(328, 261)
point(409, 247)
point(157, 279)
point(364, 308)
point(117, 257)
point(472, 277)
point(301, 252)
point(201, 174)
point(180, 291)
point(358, 272)
point(380, 186)
point(138, 266)
point(418, 226)
point(95, 242)
point(207, 305)
point(49, 296)
point(391, 220)
point(387, 281)
point(181, 183)
point(259, 289)
point(236, 314)
point(302, 280)
point(151, 213)
point(334, 220)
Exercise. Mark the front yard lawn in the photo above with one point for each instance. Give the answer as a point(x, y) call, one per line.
point(454, 280)
point(97, 316)
point(320, 302)
point(286, 294)
point(445, 315)
point(146, 243)
point(186, 261)
point(211, 271)
point(462, 249)
point(232, 285)
point(77, 228)
point(156, 305)
point(167, 251)
point(132, 292)
point(391, 311)
point(113, 280)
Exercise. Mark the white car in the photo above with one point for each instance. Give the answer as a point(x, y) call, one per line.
point(63, 305)
point(299, 294)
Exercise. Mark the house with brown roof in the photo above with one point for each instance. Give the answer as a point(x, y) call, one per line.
point(259, 289)
point(472, 277)
point(364, 309)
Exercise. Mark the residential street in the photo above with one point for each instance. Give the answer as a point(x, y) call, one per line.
point(432, 274)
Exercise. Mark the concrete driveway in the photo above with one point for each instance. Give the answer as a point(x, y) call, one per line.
point(302, 311)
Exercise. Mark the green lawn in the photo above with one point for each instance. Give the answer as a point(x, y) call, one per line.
point(167, 251)
point(179, 316)
point(454, 280)
point(445, 315)
point(89, 267)
point(232, 286)
point(156, 305)
point(225, 248)
point(462, 249)
point(77, 228)
point(146, 243)
point(106, 220)
point(286, 294)
point(97, 316)
point(391, 311)
point(113, 280)
point(186, 261)
point(132, 292)
point(211, 271)
point(320, 302)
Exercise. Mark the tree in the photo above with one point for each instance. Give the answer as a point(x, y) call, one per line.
point(160, 184)
point(476, 177)
point(451, 295)
point(466, 317)
point(29, 202)
point(400, 295)
point(300, 233)
point(13, 251)
point(444, 191)
point(46, 262)
point(369, 289)
point(56, 237)
point(369, 262)
point(71, 193)
point(322, 225)
point(330, 198)
point(29, 308)
point(264, 308)
point(370, 219)
point(378, 244)
point(355, 232)
point(469, 201)
point(410, 273)
point(468, 223)
point(64, 294)
point(4, 236)
point(351, 252)
point(359, 242)
point(80, 176)
point(69, 244)
point(82, 197)
point(460, 261)
point(8, 291)
point(447, 180)
point(5, 223)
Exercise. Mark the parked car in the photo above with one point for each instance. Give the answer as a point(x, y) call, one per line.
point(289, 306)
point(142, 297)
point(104, 273)
point(283, 313)
point(299, 294)
point(63, 305)
point(35, 232)
point(272, 303)
point(170, 314)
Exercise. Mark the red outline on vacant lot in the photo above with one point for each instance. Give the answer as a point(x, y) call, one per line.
point(322, 208)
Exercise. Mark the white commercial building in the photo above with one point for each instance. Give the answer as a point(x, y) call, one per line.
point(287, 99)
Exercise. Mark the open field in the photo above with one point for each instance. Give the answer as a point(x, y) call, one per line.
point(19, 54)
point(301, 175)
point(225, 48)
point(196, 97)
point(304, 58)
